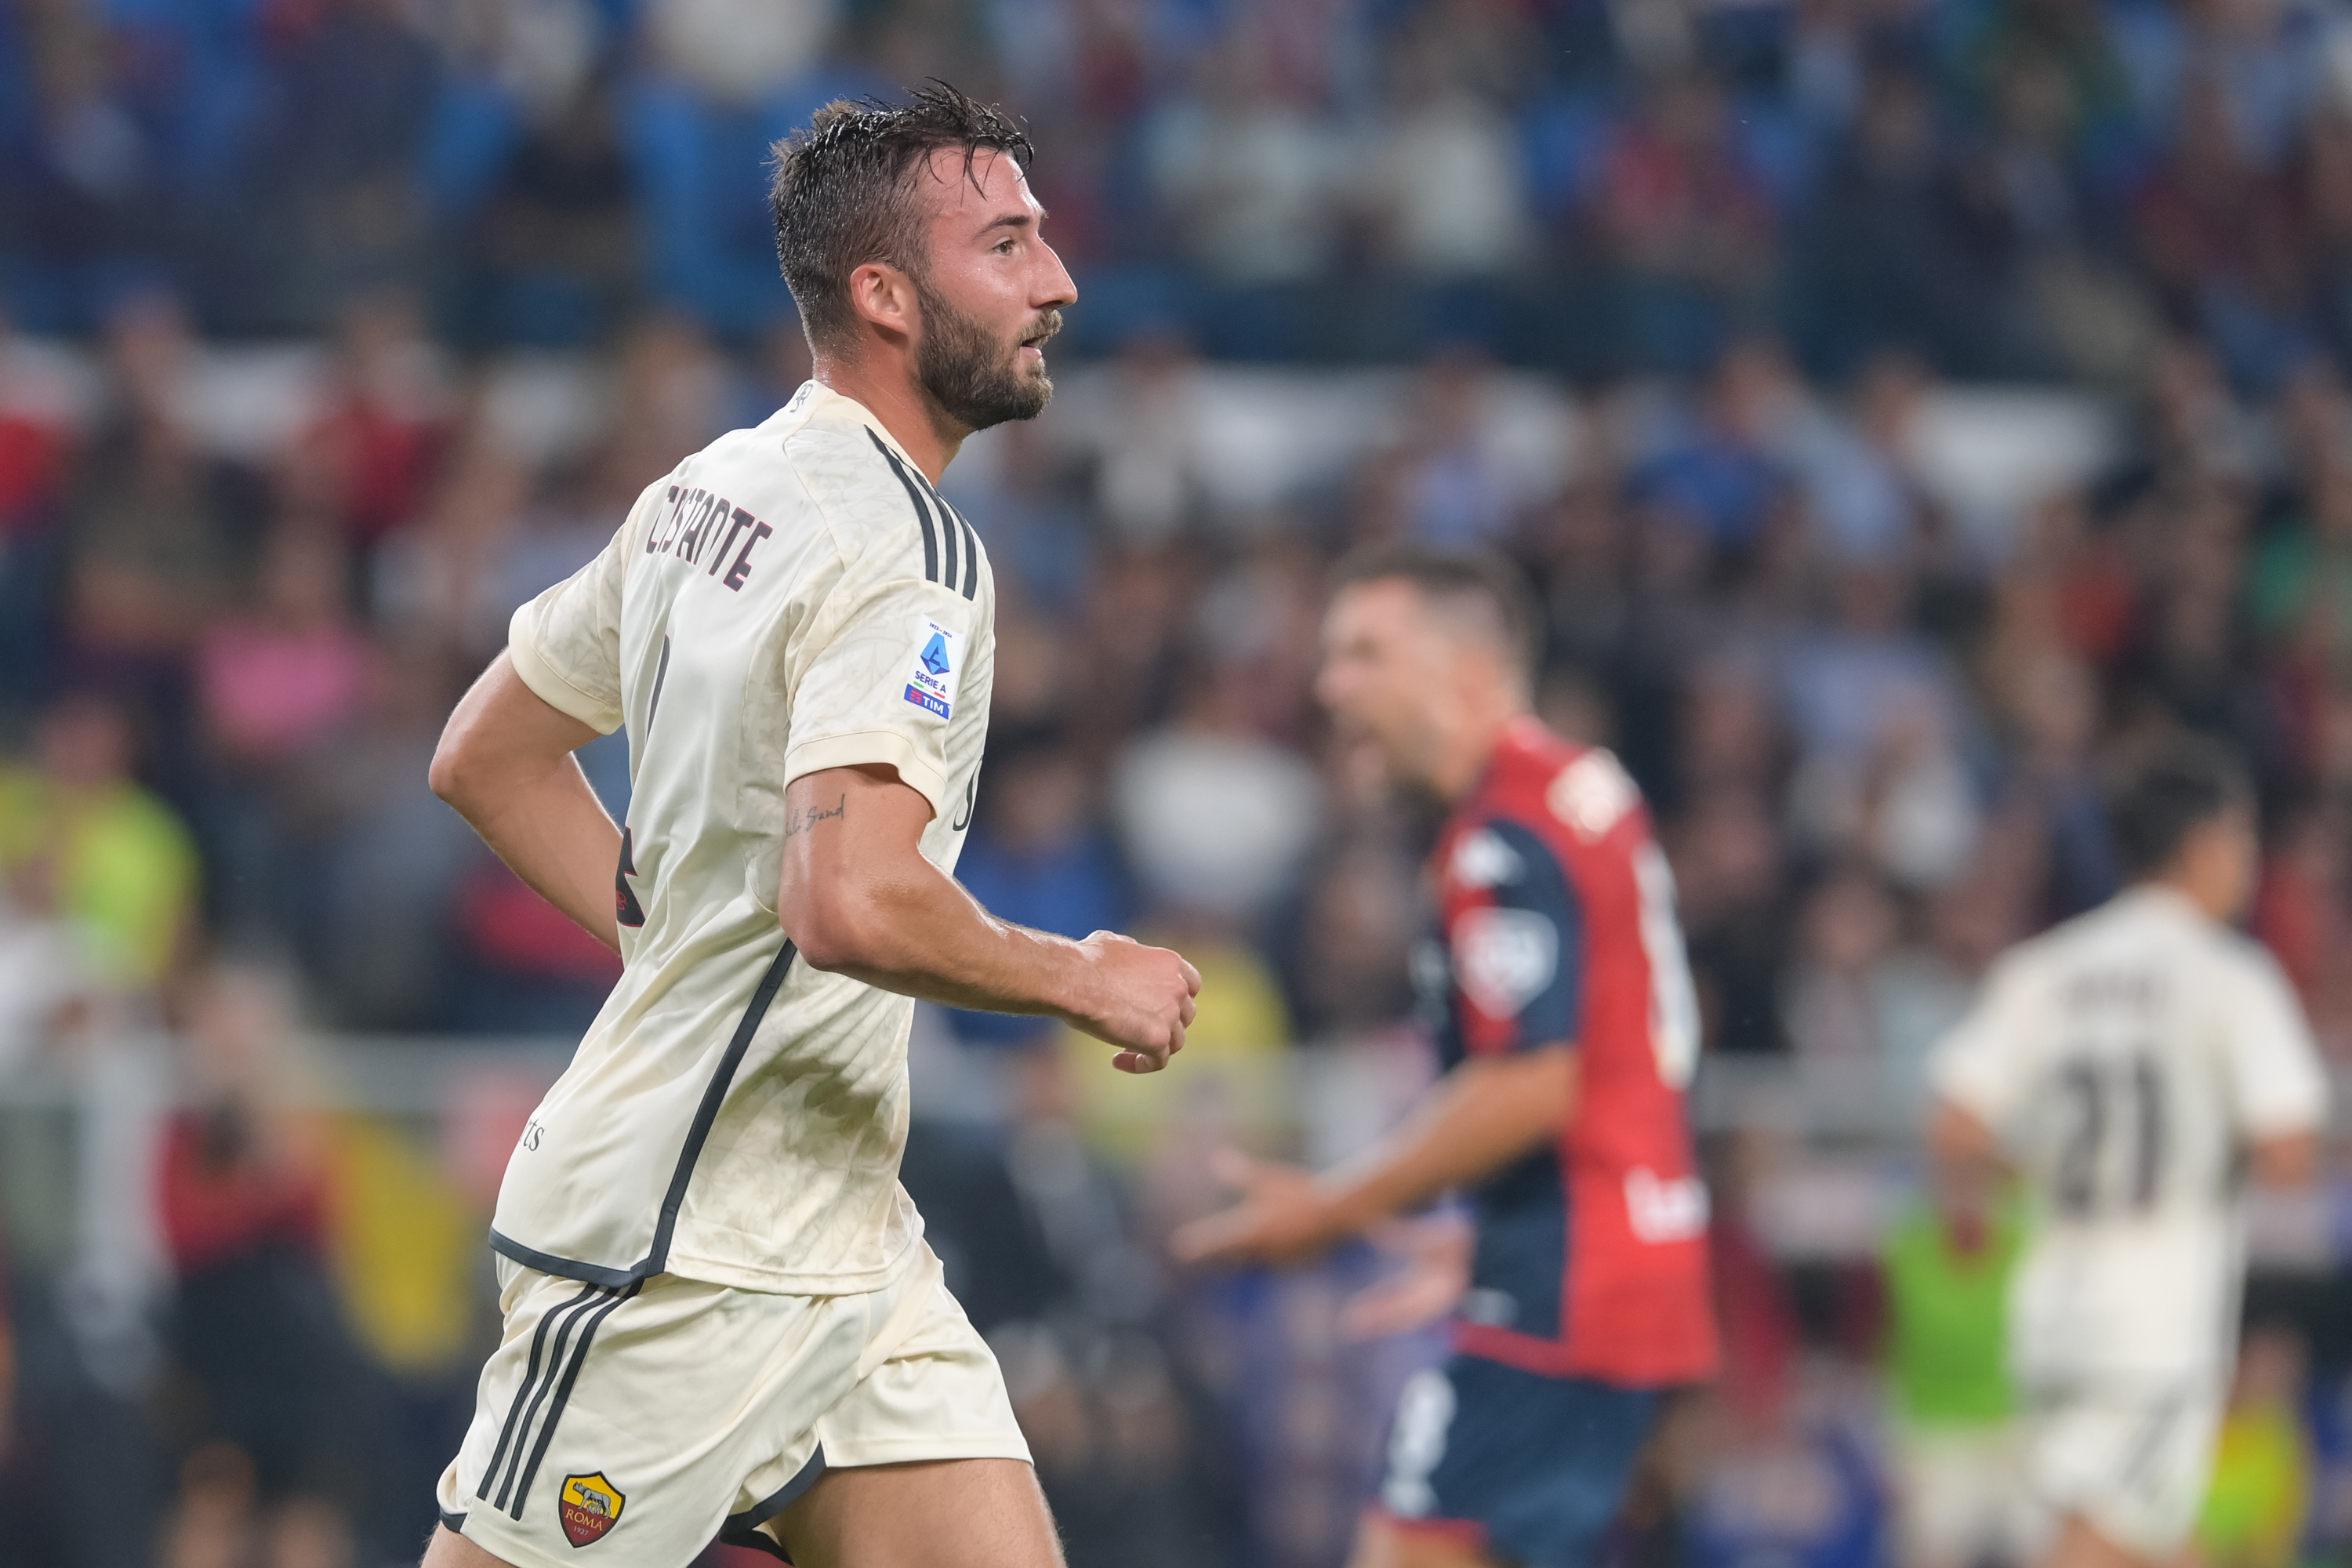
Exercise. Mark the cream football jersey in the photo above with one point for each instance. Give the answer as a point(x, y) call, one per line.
point(2126, 1059)
point(793, 597)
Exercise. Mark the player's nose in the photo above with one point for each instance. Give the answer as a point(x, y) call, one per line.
point(1055, 289)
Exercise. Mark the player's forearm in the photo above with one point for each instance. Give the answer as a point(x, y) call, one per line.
point(917, 933)
point(1959, 1141)
point(2286, 1160)
point(1484, 1114)
point(553, 831)
point(505, 764)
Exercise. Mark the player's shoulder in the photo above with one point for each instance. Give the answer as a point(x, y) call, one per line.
point(744, 469)
point(1579, 800)
point(2246, 961)
point(876, 502)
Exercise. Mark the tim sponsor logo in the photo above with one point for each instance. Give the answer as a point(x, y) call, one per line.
point(1663, 1210)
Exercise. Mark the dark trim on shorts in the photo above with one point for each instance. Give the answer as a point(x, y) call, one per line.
point(454, 1523)
point(706, 1116)
point(743, 1528)
point(595, 1320)
point(522, 1391)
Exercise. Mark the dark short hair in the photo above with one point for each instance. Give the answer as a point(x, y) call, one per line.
point(842, 188)
point(2183, 782)
point(1483, 577)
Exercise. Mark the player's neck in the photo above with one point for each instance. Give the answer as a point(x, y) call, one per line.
point(2208, 902)
point(892, 395)
point(1468, 743)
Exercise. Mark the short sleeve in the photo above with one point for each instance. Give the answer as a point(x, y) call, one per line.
point(566, 643)
point(2278, 1083)
point(882, 685)
point(1982, 1065)
point(1518, 944)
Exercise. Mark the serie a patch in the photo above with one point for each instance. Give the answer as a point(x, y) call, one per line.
point(938, 668)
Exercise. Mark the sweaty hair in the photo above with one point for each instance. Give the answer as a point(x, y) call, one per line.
point(1480, 582)
point(2184, 784)
point(843, 190)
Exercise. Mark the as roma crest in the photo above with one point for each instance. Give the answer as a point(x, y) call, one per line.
point(589, 1505)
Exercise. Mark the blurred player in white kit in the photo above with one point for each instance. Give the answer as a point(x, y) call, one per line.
point(2135, 1066)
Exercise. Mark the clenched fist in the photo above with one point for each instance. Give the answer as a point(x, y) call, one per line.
point(1137, 998)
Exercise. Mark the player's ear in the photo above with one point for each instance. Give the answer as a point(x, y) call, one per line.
point(883, 295)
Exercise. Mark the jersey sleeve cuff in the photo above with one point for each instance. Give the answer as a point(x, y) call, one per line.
point(540, 673)
point(1963, 1091)
point(867, 748)
point(2285, 1120)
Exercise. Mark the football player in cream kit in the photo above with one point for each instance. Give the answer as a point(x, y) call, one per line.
point(2131, 1065)
point(721, 1317)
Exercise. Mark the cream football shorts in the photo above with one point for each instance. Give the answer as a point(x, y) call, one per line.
point(2131, 1463)
point(651, 1418)
point(1962, 1497)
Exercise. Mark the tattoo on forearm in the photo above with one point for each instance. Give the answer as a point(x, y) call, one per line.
point(795, 825)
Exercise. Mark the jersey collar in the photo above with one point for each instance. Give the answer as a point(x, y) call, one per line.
point(815, 400)
point(1522, 738)
point(2172, 900)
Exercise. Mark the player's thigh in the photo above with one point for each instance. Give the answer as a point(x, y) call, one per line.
point(1525, 1467)
point(945, 1513)
point(2125, 1473)
point(1383, 1542)
point(2082, 1544)
point(1964, 1497)
point(447, 1549)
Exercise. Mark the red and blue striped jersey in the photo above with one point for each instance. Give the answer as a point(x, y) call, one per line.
point(1556, 925)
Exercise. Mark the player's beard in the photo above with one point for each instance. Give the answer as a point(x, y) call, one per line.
point(977, 378)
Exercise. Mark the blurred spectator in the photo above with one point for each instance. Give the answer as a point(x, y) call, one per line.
point(1961, 1495)
point(1351, 970)
point(1252, 180)
point(121, 861)
point(243, 1194)
point(288, 674)
point(1850, 927)
point(1444, 183)
point(379, 428)
point(441, 579)
point(1880, 722)
point(157, 525)
point(1687, 221)
point(1038, 856)
point(1718, 471)
point(2261, 1491)
point(1461, 485)
point(1216, 820)
point(1148, 442)
point(1924, 986)
point(45, 970)
point(1863, 500)
point(1727, 856)
point(330, 185)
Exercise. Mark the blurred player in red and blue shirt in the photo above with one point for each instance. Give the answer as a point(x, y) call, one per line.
point(1566, 1022)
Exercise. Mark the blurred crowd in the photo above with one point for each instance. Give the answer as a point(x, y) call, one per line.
point(1872, 712)
point(331, 330)
point(2012, 187)
point(1872, 715)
